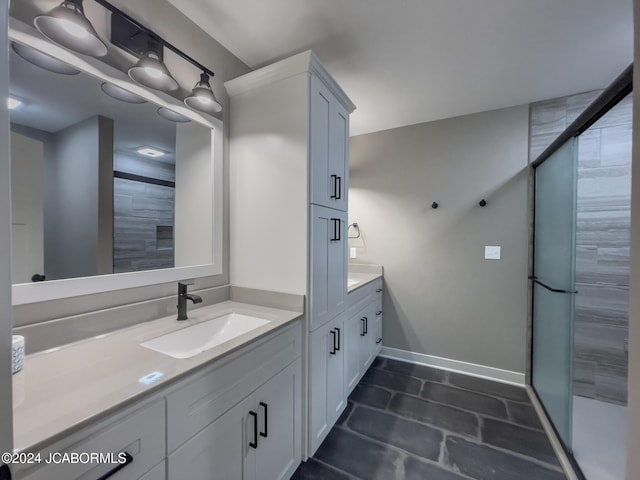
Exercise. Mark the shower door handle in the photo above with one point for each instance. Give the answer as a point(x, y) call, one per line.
point(551, 289)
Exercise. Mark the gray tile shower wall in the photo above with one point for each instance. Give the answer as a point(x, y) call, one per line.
point(602, 240)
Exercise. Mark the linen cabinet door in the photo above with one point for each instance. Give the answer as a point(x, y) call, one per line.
point(339, 156)
point(221, 450)
point(278, 453)
point(323, 186)
point(328, 264)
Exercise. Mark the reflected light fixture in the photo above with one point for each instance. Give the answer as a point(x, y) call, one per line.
point(202, 97)
point(67, 26)
point(42, 60)
point(121, 94)
point(13, 103)
point(150, 152)
point(151, 72)
point(172, 116)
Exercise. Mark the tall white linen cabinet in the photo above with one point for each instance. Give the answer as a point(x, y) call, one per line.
point(289, 182)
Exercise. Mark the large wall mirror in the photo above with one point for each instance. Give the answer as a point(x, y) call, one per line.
point(113, 186)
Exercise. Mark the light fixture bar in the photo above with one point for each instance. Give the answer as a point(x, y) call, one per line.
point(154, 36)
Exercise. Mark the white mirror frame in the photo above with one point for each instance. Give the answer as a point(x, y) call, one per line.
point(55, 289)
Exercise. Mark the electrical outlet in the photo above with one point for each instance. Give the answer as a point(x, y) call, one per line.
point(353, 252)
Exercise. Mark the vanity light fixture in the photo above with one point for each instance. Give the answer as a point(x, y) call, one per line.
point(68, 26)
point(151, 71)
point(13, 103)
point(150, 152)
point(121, 94)
point(202, 97)
point(42, 60)
point(172, 116)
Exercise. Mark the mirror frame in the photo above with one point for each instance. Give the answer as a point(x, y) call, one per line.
point(25, 293)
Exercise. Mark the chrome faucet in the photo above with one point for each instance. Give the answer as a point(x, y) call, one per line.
point(183, 296)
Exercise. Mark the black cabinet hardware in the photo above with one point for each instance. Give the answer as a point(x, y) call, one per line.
point(551, 289)
point(254, 444)
point(265, 434)
point(363, 330)
point(127, 460)
point(378, 290)
point(366, 325)
point(5, 473)
point(378, 313)
point(333, 342)
point(38, 277)
point(334, 181)
point(336, 223)
point(339, 189)
point(378, 341)
point(337, 348)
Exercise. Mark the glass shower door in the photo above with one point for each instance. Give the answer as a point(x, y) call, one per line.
point(554, 284)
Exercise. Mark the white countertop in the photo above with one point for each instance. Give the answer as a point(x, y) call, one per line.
point(356, 280)
point(63, 389)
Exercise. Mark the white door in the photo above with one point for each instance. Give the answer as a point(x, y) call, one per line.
point(278, 453)
point(339, 156)
point(27, 225)
point(328, 264)
point(352, 345)
point(336, 398)
point(220, 451)
point(6, 400)
point(367, 319)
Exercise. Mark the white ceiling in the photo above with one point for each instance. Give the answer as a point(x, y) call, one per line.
point(410, 61)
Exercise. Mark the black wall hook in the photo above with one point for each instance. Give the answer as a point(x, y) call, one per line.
point(434, 205)
point(483, 202)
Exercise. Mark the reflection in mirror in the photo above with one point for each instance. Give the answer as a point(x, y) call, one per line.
point(102, 182)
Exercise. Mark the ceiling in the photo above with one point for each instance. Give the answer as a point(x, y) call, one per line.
point(410, 61)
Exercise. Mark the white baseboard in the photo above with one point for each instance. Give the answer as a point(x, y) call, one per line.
point(482, 371)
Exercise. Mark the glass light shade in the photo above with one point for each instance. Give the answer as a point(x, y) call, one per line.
point(152, 73)
point(121, 94)
point(202, 97)
point(67, 26)
point(172, 116)
point(42, 60)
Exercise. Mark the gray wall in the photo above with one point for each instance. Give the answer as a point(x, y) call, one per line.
point(6, 399)
point(442, 297)
point(81, 201)
point(176, 28)
point(602, 240)
point(633, 409)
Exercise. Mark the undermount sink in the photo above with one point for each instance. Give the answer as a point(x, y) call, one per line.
point(190, 341)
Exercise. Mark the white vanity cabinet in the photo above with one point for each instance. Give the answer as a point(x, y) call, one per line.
point(327, 397)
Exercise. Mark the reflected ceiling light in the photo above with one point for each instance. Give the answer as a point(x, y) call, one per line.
point(172, 116)
point(67, 25)
point(42, 60)
point(202, 97)
point(13, 103)
point(151, 72)
point(150, 152)
point(121, 94)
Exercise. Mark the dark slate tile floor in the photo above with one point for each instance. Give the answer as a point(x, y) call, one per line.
point(410, 422)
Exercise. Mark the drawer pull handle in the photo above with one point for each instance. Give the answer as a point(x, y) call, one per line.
point(378, 313)
point(378, 341)
point(337, 348)
point(127, 460)
point(333, 343)
point(362, 329)
point(255, 430)
point(366, 325)
point(265, 434)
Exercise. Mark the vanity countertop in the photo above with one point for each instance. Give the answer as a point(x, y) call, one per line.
point(356, 280)
point(65, 388)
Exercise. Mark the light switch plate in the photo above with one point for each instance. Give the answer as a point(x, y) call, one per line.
point(353, 252)
point(492, 252)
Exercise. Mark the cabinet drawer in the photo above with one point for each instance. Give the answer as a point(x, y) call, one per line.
point(364, 295)
point(200, 400)
point(141, 435)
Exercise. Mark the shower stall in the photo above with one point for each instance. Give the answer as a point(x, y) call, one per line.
point(581, 154)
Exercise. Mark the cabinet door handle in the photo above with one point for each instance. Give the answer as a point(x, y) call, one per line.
point(366, 325)
point(378, 341)
point(265, 434)
point(337, 349)
point(334, 236)
point(378, 290)
point(362, 330)
point(378, 313)
point(254, 444)
point(339, 188)
point(333, 342)
point(127, 460)
point(338, 229)
point(334, 182)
